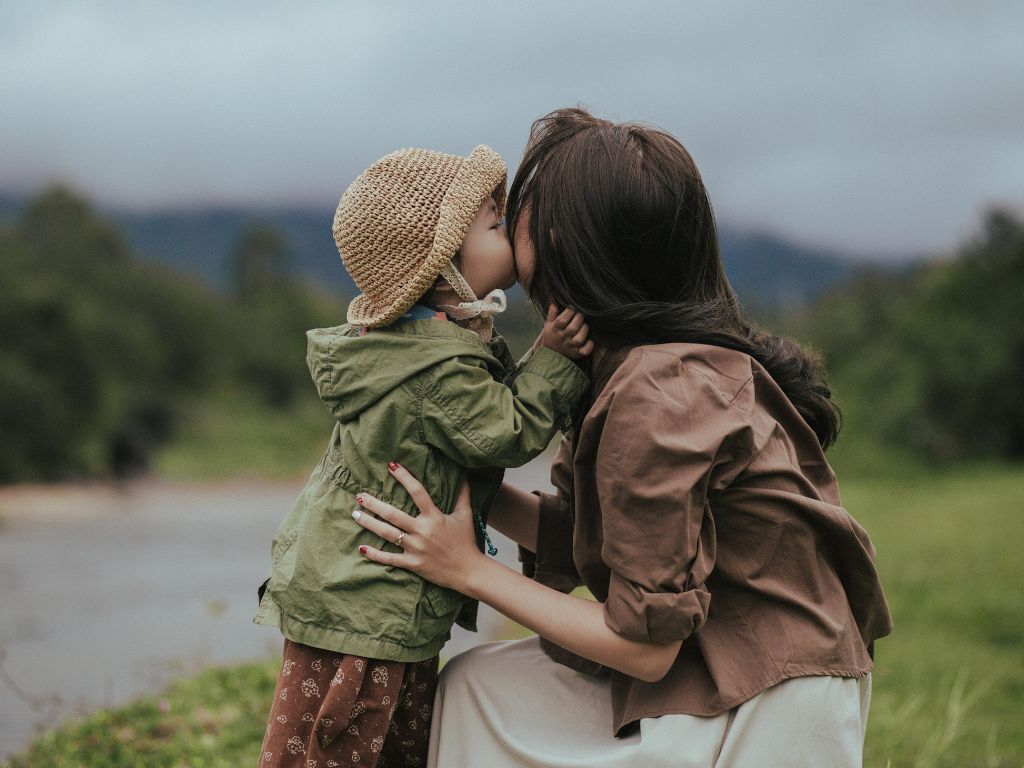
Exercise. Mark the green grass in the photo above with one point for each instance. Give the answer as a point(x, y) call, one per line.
point(214, 720)
point(233, 433)
point(948, 684)
point(949, 681)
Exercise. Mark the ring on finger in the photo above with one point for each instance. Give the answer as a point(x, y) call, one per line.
point(398, 541)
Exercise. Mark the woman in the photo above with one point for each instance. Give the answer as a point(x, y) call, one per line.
point(736, 600)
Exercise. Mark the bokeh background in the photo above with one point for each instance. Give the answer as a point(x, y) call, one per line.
point(168, 177)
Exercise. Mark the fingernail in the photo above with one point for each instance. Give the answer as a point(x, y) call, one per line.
point(356, 514)
point(392, 465)
point(359, 499)
point(362, 550)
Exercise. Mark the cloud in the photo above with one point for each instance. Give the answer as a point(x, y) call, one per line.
point(867, 127)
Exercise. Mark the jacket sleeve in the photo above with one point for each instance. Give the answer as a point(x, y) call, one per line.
point(665, 427)
point(478, 421)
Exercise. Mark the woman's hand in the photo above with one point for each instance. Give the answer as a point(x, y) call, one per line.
point(440, 548)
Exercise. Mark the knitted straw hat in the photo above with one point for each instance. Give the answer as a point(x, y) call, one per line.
point(400, 223)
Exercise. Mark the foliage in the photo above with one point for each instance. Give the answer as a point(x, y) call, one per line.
point(931, 362)
point(214, 720)
point(260, 262)
point(101, 354)
point(948, 681)
point(230, 433)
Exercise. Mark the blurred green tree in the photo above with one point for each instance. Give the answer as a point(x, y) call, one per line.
point(260, 262)
point(101, 353)
point(933, 361)
point(274, 312)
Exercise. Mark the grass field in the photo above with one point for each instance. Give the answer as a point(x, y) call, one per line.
point(948, 686)
point(231, 433)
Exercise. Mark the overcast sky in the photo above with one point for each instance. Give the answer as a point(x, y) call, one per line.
point(869, 127)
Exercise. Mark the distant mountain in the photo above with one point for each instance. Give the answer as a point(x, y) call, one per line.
point(768, 272)
point(202, 241)
point(10, 206)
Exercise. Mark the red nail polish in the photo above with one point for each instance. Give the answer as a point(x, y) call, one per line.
point(392, 465)
point(359, 499)
point(362, 550)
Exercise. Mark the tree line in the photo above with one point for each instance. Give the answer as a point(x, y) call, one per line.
point(101, 352)
point(932, 361)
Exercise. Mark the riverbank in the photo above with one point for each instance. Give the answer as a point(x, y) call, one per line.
point(113, 592)
point(61, 502)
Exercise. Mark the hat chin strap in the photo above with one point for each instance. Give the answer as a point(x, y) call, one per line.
point(492, 304)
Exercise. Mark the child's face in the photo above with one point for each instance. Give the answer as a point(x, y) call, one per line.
point(486, 255)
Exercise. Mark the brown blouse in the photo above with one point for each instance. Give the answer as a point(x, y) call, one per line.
point(697, 505)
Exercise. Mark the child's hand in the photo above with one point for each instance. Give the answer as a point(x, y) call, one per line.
point(566, 332)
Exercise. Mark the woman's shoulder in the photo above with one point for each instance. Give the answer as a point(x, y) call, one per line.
point(682, 367)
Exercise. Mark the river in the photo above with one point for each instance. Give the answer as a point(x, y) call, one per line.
point(107, 593)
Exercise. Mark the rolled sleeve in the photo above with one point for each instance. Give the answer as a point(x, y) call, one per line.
point(654, 617)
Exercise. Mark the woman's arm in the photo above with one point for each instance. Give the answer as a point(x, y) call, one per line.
point(575, 623)
point(516, 514)
point(442, 549)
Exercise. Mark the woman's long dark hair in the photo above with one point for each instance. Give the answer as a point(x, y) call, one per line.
point(622, 230)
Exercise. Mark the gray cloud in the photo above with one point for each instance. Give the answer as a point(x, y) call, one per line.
point(866, 127)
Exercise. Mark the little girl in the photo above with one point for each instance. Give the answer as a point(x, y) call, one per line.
point(418, 231)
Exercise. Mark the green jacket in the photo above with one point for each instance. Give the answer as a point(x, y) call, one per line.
point(435, 398)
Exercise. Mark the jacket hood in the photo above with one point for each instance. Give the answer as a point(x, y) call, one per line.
point(353, 372)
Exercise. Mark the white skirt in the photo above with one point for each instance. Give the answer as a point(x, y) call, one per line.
point(505, 705)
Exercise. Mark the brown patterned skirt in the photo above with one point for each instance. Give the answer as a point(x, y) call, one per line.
point(333, 709)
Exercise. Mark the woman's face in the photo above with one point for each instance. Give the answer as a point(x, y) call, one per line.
point(522, 250)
